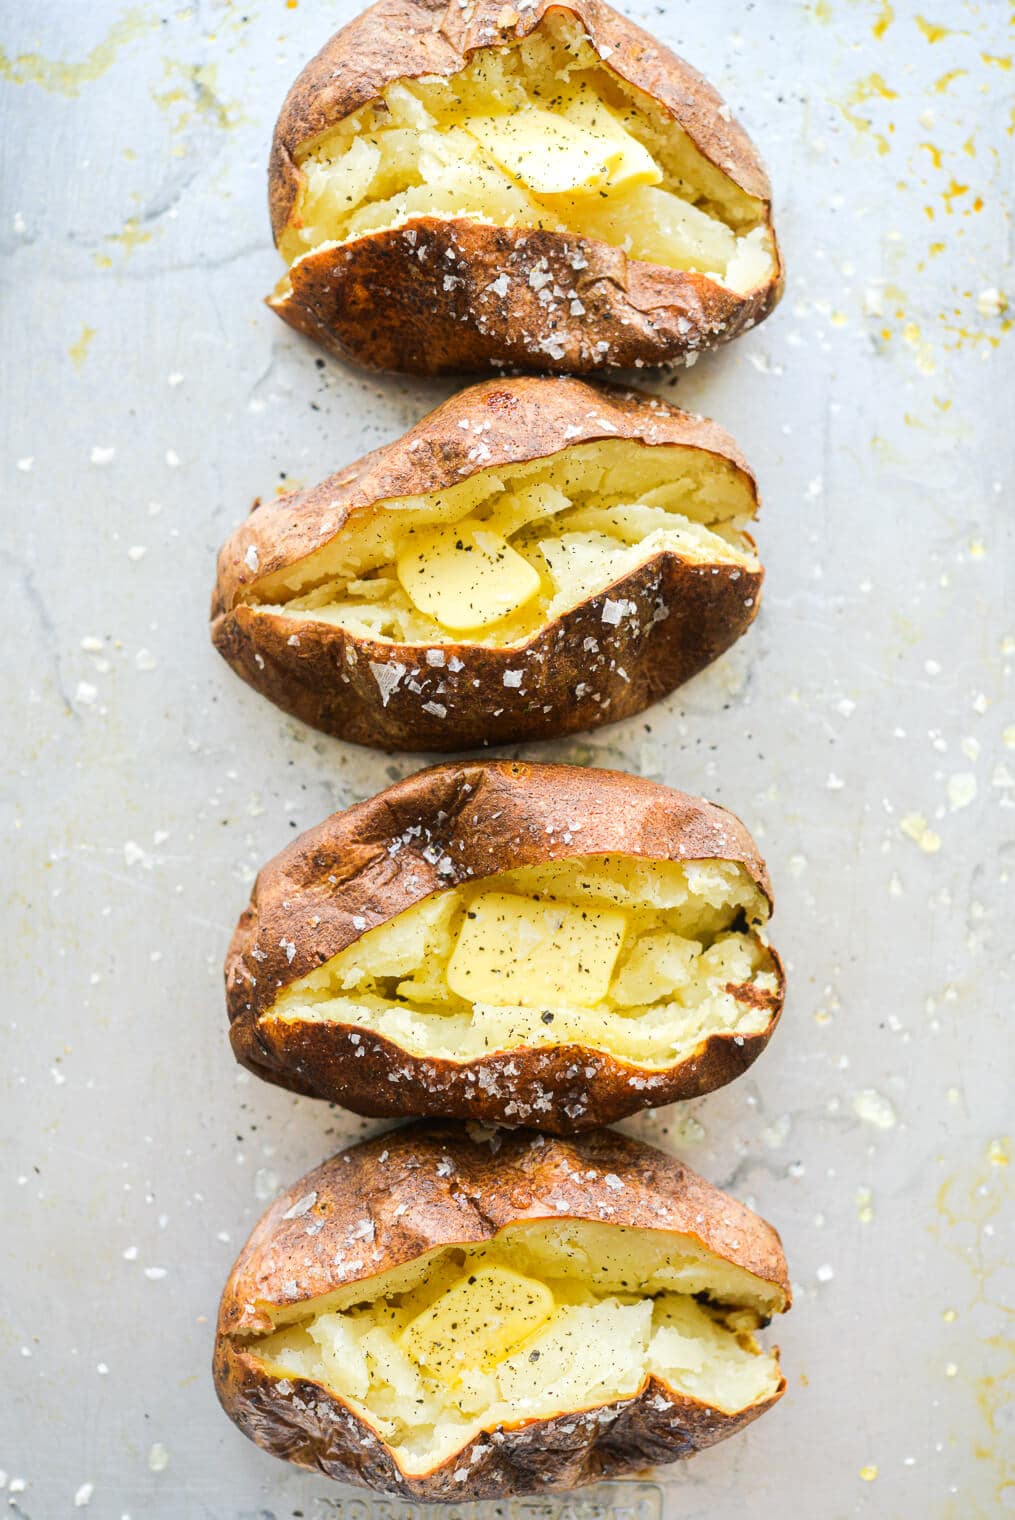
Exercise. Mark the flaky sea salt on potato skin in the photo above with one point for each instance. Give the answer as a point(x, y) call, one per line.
point(468, 268)
point(307, 1011)
point(400, 1216)
point(669, 608)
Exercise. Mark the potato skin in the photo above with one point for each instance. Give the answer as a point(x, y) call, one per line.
point(679, 617)
point(376, 300)
point(463, 1189)
point(438, 829)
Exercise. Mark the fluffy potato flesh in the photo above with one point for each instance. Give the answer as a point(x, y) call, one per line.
point(633, 957)
point(547, 1318)
point(532, 134)
point(497, 556)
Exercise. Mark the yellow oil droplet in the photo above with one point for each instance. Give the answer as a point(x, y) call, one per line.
point(999, 1152)
point(934, 32)
point(871, 87)
point(942, 84)
point(884, 20)
point(79, 351)
point(949, 1316)
point(869, 1473)
point(915, 825)
point(954, 192)
point(131, 237)
point(993, 60)
point(935, 153)
point(195, 93)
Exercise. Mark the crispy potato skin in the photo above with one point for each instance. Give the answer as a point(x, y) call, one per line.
point(684, 616)
point(376, 301)
point(463, 1191)
point(473, 820)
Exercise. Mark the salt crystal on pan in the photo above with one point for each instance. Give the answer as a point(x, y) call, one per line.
point(83, 1496)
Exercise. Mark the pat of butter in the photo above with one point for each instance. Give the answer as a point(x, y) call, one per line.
point(555, 156)
point(517, 950)
point(478, 1322)
point(465, 576)
point(632, 164)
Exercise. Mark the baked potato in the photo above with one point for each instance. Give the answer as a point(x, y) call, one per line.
point(520, 944)
point(446, 1316)
point(535, 185)
point(535, 557)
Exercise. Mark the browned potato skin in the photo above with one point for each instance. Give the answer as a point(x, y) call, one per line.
point(488, 1185)
point(687, 615)
point(377, 300)
point(483, 818)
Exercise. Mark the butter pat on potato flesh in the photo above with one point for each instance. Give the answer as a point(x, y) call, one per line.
point(477, 1323)
point(465, 577)
point(514, 949)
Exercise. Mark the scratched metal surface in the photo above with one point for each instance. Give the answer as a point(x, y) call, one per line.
point(865, 729)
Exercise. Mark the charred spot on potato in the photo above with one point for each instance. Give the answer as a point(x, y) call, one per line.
point(545, 1318)
point(641, 959)
point(536, 133)
point(496, 557)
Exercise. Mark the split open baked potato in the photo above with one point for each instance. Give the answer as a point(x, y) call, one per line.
point(536, 185)
point(535, 557)
point(524, 944)
point(451, 1317)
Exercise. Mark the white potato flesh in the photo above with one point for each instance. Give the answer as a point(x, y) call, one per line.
point(536, 134)
point(632, 957)
point(535, 540)
point(546, 1318)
